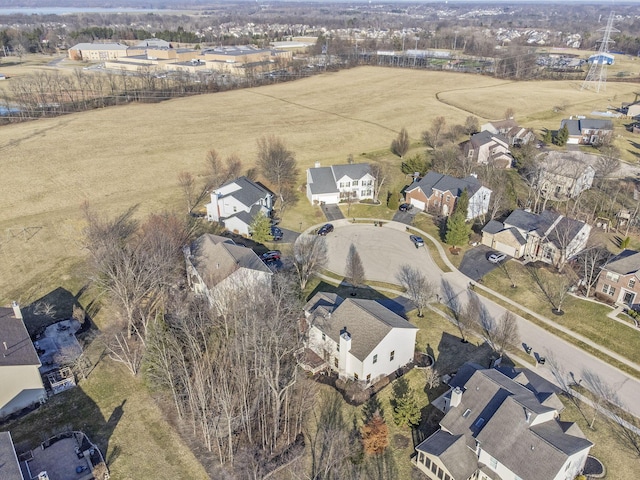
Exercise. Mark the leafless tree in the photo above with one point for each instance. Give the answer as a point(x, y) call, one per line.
point(354, 271)
point(474, 316)
point(471, 125)
point(460, 318)
point(589, 261)
point(419, 289)
point(553, 287)
point(506, 332)
point(603, 394)
point(309, 257)
point(432, 377)
point(380, 172)
point(277, 163)
point(446, 159)
point(400, 145)
point(432, 138)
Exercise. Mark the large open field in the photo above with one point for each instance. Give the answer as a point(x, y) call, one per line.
point(123, 156)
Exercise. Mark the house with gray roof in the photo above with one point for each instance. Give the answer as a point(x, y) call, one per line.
point(236, 203)
point(437, 194)
point(563, 175)
point(619, 279)
point(547, 237)
point(359, 339)
point(222, 271)
point(9, 465)
point(486, 148)
point(19, 375)
point(509, 128)
point(499, 426)
point(340, 183)
point(587, 131)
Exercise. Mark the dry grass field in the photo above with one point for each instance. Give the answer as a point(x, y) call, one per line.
point(131, 155)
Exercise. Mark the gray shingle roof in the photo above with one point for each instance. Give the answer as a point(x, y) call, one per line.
point(367, 321)
point(452, 450)
point(16, 347)
point(215, 258)
point(625, 263)
point(494, 226)
point(484, 137)
point(249, 193)
point(352, 170)
point(445, 183)
point(575, 127)
point(324, 179)
point(9, 466)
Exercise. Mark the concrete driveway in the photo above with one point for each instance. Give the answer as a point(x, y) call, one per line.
point(332, 212)
point(475, 264)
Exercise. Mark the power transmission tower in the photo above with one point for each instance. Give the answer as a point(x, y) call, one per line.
point(597, 76)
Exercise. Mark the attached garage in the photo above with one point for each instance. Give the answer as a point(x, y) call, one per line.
point(417, 203)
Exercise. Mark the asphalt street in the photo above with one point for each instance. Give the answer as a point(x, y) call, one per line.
point(383, 250)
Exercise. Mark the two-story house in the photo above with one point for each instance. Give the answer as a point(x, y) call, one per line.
point(339, 183)
point(488, 148)
point(437, 193)
point(564, 175)
point(547, 237)
point(501, 427)
point(359, 339)
point(221, 270)
point(619, 279)
point(20, 380)
point(237, 202)
point(509, 129)
point(586, 131)
point(9, 464)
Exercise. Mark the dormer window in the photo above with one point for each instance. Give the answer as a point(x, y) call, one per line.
point(466, 413)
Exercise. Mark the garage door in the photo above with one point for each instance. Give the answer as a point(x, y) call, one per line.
point(508, 249)
point(418, 204)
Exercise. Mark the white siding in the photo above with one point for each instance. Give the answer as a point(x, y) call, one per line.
point(479, 203)
point(21, 387)
point(402, 342)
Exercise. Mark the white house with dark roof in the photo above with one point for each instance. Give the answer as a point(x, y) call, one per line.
point(221, 270)
point(586, 131)
point(359, 339)
point(547, 237)
point(20, 382)
point(509, 128)
point(337, 183)
point(437, 193)
point(488, 148)
point(499, 426)
point(237, 202)
point(9, 465)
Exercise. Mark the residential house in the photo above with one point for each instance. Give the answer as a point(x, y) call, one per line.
point(547, 237)
point(585, 131)
point(437, 193)
point(509, 129)
point(564, 175)
point(237, 202)
point(488, 148)
point(359, 339)
point(19, 376)
point(221, 270)
point(9, 465)
point(619, 279)
point(339, 183)
point(502, 426)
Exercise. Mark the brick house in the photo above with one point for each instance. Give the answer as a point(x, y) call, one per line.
point(619, 279)
point(437, 193)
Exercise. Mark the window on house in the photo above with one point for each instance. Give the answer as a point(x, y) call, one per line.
point(466, 413)
point(614, 277)
point(434, 468)
point(355, 377)
point(337, 346)
point(479, 422)
point(608, 289)
point(547, 253)
point(427, 462)
point(235, 209)
point(335, 361)
point(440, 474)
point(447, 477)
point(324, 337)
point(375, 358)
point(392, 355)
point(421, 457)
point(493, 463)
point(354, 183)
point(632, 282)
point(369, 378)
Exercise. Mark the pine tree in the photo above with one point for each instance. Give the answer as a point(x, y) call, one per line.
point(562, 136)
point(462, 204)
point(375, 435)
point(458, 230)
point(260, 229)
point(406, 411)
point(392, 201)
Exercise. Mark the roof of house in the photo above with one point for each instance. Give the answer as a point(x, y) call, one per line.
point(566, 164)
point(575, 127)
point(9, 466)
point(215, 258)
point(484, 137)
point(452, 450)
point(445, 183)
point(99, 46)
point(248, 192)
point(529, 222)
point(506, 124)
point(324, 179)
point(494, 226)
point(625, 263)
point(367, 321)
point(16, 347)
point(501, 414)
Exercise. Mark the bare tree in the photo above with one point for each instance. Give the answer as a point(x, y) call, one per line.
point(354, 271)
point(309, 257)
point(400, 145)
point(432, 138)
point(471, 125)
point(446, 159)
point(506, 332)
point(432, 377)
point(277, 163)
point(554, 287)
point(462, 317)
point(380, 173)
point(590, 260)
point(419, 289)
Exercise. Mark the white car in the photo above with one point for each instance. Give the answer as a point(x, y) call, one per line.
point(496, 257)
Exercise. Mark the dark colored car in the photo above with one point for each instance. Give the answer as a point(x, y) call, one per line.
point(271, 256)
point(417, 241)
point(405, 207)
point(276, 233)
point(327, 228)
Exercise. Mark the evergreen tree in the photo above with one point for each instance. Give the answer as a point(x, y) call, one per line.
point(375, 435)
point(462, 204)
point(548, 136)
point(260, 229)
point(458, 230)
point(406, 411)
point(392, 201)
point(562, 136)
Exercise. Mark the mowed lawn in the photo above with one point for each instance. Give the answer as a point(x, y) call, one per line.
point(131, 155)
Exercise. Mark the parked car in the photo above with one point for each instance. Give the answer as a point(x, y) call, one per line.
point(271, 256)
point(276, 233)
point(417, 241)
point(496, 257)
point(325, 229)
point(405, 207)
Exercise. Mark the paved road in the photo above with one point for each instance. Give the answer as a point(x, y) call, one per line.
point(384, 249)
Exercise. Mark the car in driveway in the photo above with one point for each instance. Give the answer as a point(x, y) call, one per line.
point(276, 233)
point(325, 229)
point(417, 241)
point(405, 207)
point(496, 257)
point(271, 256)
